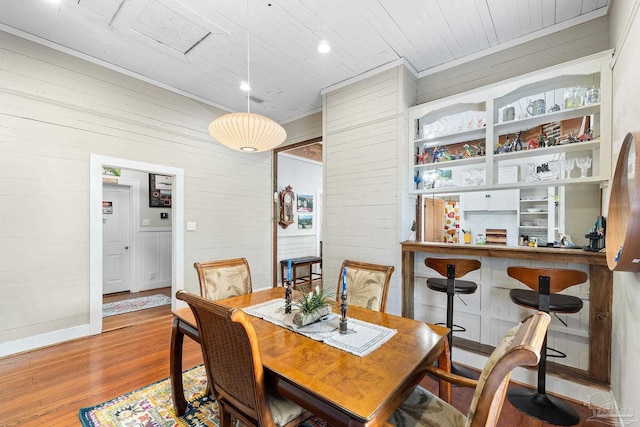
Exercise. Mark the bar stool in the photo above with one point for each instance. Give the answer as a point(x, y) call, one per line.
point(452, 269)
point(545, 283)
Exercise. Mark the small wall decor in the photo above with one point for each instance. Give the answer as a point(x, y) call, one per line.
point(110, 171)
point(107, 208)
point(452, 222)
point(160, 190)
point(287, 199)
point(305, 221)
point(305, 203)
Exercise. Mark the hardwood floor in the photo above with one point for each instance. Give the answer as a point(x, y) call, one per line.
point(135, 317)
point(47, 387)
point(510, 416)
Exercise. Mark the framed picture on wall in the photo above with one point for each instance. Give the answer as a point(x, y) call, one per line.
point(305, 221)
point(305, 203)
point(160, 190)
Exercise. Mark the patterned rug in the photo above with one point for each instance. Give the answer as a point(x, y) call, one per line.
point(134, 304)
point(151, 406)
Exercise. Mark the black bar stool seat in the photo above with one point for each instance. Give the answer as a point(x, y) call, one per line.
point(557, 303)
point(459, 287)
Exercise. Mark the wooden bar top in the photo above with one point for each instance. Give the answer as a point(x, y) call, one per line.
point(540, 253)
point(600, 289)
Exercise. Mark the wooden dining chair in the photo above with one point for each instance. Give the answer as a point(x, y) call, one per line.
point(519, 347)
point(367, 284)
point(234, 369)
point(224, 278)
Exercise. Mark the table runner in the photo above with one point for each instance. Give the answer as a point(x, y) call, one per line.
point(362, 337)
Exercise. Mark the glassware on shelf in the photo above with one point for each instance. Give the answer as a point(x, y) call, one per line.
point(567, 167)
point(572, 98)
point(554, 168)
point(592, 96)
point(584, 163)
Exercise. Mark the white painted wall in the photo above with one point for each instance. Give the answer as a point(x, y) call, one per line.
point(625, 376)
point(303, 129)
point(365, 130)
point(57, 110)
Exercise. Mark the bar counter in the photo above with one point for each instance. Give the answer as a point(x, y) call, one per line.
point(600, 290)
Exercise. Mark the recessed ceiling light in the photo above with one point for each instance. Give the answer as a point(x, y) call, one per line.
point(324, 47)
point(245, 86)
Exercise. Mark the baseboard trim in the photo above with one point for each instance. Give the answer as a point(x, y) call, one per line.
point(43, 340)
point(149, 286)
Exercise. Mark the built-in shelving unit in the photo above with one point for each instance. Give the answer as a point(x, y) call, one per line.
point(476, 132)
point(538, 214)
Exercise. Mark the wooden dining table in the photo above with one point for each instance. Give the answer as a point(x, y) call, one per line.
point(337, 386)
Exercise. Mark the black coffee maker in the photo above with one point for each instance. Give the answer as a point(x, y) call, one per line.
point(596, 236)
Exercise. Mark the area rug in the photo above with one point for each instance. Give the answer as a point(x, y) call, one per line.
point(151, 406)
point(134, 304)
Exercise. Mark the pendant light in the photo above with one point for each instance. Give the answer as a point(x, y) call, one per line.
point(247, 132)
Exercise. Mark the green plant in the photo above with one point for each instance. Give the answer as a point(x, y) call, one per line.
point(313, 301)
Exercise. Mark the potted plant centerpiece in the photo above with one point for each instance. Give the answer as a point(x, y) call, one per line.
point(311, 307)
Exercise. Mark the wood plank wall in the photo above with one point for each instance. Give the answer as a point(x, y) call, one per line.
point(56, 110)
point(364, 126)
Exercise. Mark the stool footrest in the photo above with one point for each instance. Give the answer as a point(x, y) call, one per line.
point(456, 328)
point(557, 353)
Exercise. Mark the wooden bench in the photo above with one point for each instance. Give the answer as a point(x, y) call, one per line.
point(305, 261)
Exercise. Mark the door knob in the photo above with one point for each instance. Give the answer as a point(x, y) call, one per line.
point(126, 247)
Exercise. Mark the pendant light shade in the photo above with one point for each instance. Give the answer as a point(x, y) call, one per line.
point(247, 132)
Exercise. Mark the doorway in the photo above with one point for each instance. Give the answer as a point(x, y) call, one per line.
point(96, 238)
point(299, 165)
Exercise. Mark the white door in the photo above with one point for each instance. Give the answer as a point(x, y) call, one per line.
point(116, 237)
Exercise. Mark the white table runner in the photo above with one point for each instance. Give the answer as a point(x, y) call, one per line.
point(361, 339)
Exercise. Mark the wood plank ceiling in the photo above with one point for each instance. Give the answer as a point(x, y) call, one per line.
point(199, 47)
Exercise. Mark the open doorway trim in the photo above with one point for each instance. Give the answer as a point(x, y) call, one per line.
point(276, 213)
point(95, 233)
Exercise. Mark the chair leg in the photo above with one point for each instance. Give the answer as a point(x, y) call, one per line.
point(444, 362)
point(225, 416)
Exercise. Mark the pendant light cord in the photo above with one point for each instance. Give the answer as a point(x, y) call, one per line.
point(248, 61)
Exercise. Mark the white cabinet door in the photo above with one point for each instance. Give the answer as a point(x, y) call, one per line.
point(475, 201)
point(500, 200)
point(504, 200)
